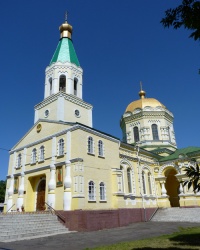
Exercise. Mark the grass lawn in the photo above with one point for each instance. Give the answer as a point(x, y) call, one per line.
point(186, 238)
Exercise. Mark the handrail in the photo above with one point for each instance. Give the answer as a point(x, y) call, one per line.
point(153, 214)
point(10, 208)
point(60, 216)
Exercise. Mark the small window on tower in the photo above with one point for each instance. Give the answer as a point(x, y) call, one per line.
point(136, 134)
point(62, 83)
point(154, 128)
point(75, 86)
point(50, 85)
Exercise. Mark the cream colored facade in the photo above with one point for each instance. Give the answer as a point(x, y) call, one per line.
point(64, 163)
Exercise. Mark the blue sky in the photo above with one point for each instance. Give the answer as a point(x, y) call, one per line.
point(118, 43)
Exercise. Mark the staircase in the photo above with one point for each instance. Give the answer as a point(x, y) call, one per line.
point(177, 214)
point(20, 226)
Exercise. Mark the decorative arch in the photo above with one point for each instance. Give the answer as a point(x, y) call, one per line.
point(148, 183)
point(126, 162)
point(146, 167)
point(128, 171)
point(168, 165)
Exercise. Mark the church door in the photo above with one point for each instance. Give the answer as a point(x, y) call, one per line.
point(41, 196)
point(172, 187)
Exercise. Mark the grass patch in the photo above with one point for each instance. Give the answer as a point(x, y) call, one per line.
point(186, 238)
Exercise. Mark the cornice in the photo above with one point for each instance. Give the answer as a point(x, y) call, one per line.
point(65, 65)
point(68, 97)
point(62, 132)
point(148, 114)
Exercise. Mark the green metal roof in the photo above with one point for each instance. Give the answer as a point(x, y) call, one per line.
point(183, 152)
point(65, 52)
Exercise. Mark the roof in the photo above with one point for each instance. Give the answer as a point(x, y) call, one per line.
point(182, 153)
point(143, 102)
point(65, 52)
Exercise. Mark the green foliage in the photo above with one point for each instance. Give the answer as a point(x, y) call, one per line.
point(194, 177)
point(186, 15)
point(2, 190)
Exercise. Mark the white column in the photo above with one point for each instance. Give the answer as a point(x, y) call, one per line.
point(10, 193)
point(163, 189)
point(52, 186)
point(67, 181)
point(67, 187)
point(20, 199)
point(181, 188)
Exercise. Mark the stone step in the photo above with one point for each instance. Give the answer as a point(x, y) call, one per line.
point(24, 226)
point(23, 236)
point(177, 214)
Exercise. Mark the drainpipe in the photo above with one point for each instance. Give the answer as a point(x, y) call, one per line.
point(145, 216)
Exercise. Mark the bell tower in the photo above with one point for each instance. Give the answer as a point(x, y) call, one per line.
point(63, 85)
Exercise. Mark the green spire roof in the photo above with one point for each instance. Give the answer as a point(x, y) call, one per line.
point(65, 52)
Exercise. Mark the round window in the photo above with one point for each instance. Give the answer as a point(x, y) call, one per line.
point(77, 113)
point(46, 113)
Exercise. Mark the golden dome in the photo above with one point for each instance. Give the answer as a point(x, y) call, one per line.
point(143, 102)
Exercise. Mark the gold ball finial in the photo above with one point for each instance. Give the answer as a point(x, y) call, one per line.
point(142, 93)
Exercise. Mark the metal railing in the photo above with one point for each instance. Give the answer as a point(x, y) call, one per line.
point(60, 216)
point(10, 208)
point(153, 214)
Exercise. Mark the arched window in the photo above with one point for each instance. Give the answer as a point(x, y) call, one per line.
point(75, 86)
point(62, 83)
point(42, 153)
point(149, 181)
point(143, 182)
point(136, 134)
point(61, 147)
point(19, 160)
point(50, 85)
point(154, 128)
point(129, 180)
point(90, 145)
point(100, 148)
point(102, 191)
point(34, 155)
point(120, 180)
point(91, 191)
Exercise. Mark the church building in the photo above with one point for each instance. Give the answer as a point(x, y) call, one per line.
point(64, 163)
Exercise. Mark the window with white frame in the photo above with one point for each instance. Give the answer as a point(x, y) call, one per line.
point(75, 86)
point(143, 182)
point(91, 191)
point(50, 85)
point(78, 184)
point(34, 155)
point(120, 183)
point(19, 160)
point(136, 134)
point(154, 128)
point(150, 184)
point(129, 180)
point(62, 83)
point(61, 147)
point(100, 148)
point(90, 145)
point(75, 184)
point(102, 191)
point(41, 153)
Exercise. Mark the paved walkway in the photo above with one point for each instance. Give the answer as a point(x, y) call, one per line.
point(80, 241)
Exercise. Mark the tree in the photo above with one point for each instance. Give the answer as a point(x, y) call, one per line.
point(193, 173)
point(186, 15)
point(2, 190)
